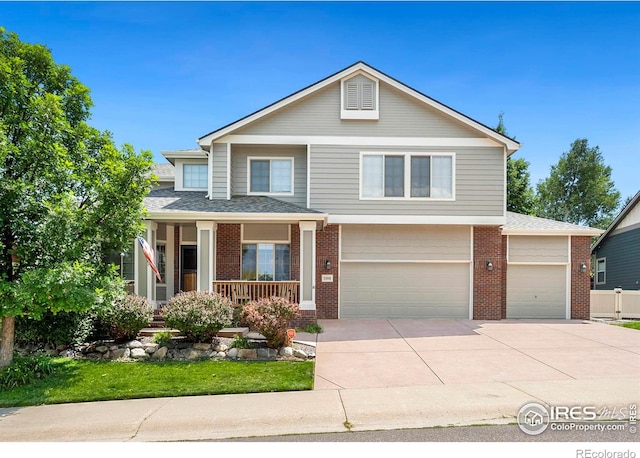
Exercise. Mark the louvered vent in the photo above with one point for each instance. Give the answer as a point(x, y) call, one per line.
point(352, 96)
point(367, 96)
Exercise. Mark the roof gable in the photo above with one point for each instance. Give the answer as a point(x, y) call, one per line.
point(362, 67)
point(630, 211)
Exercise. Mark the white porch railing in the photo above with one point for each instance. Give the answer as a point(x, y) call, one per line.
point(617, 304)
point(240, 291)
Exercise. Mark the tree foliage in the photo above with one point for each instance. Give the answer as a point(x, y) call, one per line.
point(68, 195)
point(579, 189)
point(520, 195)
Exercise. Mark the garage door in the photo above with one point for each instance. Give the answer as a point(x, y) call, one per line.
point(537, 290)
point(405, 272)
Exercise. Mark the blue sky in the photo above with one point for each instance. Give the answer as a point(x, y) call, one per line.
point(162, 74)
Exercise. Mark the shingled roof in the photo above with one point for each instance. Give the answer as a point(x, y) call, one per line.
point(167, 201)
point(531, 225)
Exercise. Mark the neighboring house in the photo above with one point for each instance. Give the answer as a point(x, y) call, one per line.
point(617, 252)
point(360, 197)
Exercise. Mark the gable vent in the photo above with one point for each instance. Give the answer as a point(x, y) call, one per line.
point(352, 96)
point(367, 96)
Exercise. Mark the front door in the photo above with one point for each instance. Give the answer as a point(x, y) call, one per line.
point(189, 263)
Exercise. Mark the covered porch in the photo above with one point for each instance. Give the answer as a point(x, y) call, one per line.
point(269, 249)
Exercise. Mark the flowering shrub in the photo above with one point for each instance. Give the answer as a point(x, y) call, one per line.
point(271, 317)
point(127, 316)
point(198, 315)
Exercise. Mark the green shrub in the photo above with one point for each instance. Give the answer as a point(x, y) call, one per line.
point(162, 338)
point(198, 315)
point(241, 342)
point(24, 371)
point(271, 317)
point(62, 328)
point(312, 328)
point(127, 316)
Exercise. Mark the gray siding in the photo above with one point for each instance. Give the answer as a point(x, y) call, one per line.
point(239, 172)
point(220, 171)
point(479, 183)
point(319, 114)
point(622, 252)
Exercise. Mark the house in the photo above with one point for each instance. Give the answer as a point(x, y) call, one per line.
point(360, 197)
point(617, 252)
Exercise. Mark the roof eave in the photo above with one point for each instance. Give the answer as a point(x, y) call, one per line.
point(622, 215)
point(564, 232)
point(241, 217)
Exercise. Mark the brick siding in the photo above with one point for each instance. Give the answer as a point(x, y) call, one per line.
point(580, 281)
point(489, 287)
point(327, 244)
point(228, 252)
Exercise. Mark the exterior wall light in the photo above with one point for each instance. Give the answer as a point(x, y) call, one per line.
point(327, 264)
point(583, 267)
point(489, 266)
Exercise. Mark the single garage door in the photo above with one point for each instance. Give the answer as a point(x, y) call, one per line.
point(537, 290)
point(405, 272)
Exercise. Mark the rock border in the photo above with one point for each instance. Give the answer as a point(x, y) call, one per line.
point(143, 348)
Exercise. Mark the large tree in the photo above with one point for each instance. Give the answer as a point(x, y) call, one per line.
point(68, 195)
point(520, 195)
point(579, 189)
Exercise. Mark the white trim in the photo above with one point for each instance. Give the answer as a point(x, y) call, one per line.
point(210, 174)
point(359, 113)
point(459, 142)
point(308, 175)
point(211, 227)
point(136, 261)
point(504, 173)
point(407, 155)
point(150, 235)
point(471, 265)
point(408, 261)
point(234, 217)
point(228, 171)
point(308, 226)
point(179, 176)
point(595, 280)
point(269, 159)
point(510, 144)
point(417, 219)
point(170, 260)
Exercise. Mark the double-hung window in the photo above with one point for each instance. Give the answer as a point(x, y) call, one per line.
point(270, 176)
point(601, 271)
point(407, 175)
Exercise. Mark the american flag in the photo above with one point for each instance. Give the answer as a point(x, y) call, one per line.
point(150, 255)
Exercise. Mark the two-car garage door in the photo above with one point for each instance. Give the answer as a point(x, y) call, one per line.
point(389, 271)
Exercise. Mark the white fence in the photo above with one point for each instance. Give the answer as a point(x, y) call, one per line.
point(617, 304)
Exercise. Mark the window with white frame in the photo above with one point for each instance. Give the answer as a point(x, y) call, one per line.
point(270, 176)
point(194, 176)
point(601, 271)
point(266, 261)
point(407, 175)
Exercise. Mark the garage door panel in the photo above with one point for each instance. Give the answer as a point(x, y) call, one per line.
point(393, 290)
point(536, 291)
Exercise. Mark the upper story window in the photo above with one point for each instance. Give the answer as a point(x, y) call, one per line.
point(270, 176)
point(194, 176)
point(601, 271)
point(407, 176)
point(359, 96)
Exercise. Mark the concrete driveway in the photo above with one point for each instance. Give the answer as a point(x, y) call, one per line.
point(403, 352)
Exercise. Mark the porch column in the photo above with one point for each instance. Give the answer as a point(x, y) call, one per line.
point(307, 265)
point(206, 256)
point(145, 279)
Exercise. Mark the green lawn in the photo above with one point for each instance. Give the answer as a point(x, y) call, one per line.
point(631, 324)
point(82, 380)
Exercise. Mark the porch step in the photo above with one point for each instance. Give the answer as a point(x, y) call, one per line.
point(231, 332)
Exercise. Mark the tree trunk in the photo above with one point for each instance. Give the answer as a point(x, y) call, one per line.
point(6, 340)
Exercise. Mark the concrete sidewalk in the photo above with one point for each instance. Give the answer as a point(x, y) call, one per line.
point(233, 416)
